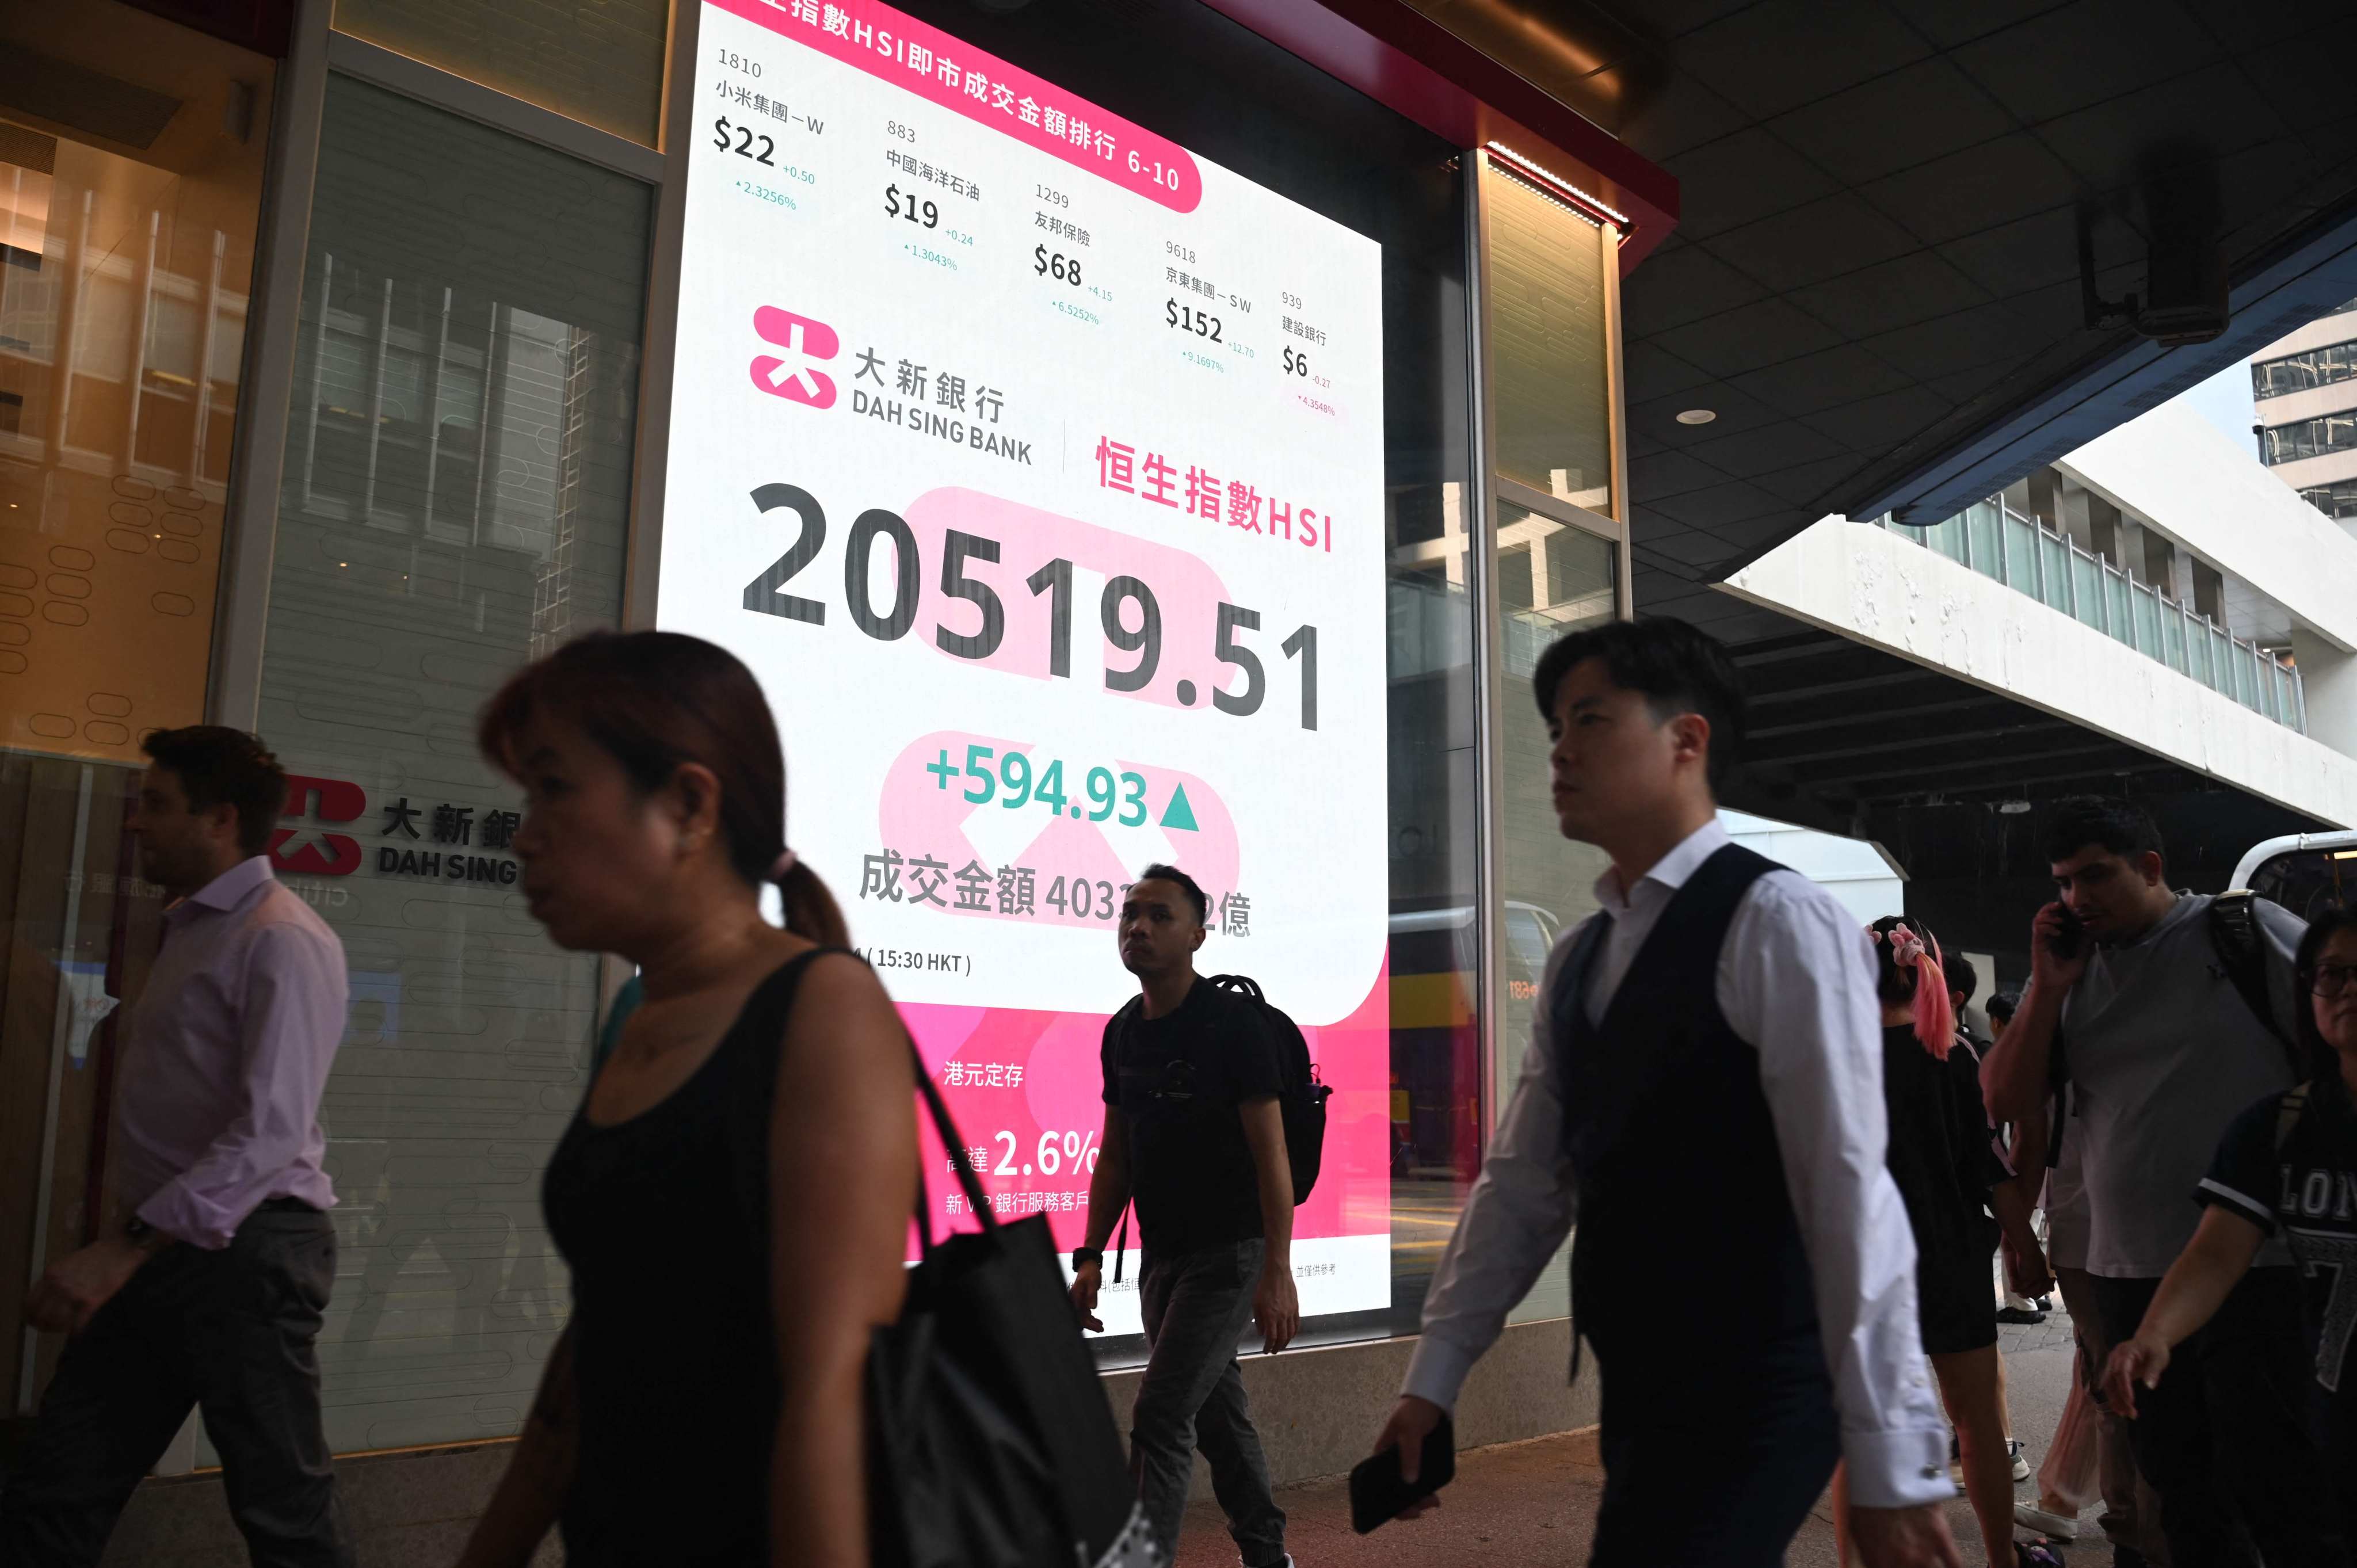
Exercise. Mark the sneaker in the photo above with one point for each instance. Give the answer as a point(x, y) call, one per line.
point(2046, 1522)
point(2020, 1463)
point(2020, 1315)
point(2036, 1554)
point(2045, 1303)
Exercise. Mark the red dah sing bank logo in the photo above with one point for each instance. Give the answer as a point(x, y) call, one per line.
point(323, 853)
point(806, 339)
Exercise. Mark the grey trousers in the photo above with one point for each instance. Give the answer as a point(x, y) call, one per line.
point(230, 1332)
point(1197, 1305)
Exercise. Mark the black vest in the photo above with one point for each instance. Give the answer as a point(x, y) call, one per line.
point(1687, 1262)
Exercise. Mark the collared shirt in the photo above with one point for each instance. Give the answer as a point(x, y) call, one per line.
point(1796, 979)
point(227, 1056)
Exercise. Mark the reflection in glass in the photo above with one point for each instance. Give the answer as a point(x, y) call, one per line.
point(2303, 372)
point(1553, 579)
point(1549, 378)
point(2326, 433)
point(454, 502)
point(601, 64)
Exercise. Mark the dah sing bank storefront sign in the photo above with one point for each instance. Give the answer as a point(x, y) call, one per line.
point(1036, 466)
point(443, 840)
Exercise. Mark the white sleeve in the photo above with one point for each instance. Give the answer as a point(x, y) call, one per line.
point(1796, 979)
point(1520, 1210)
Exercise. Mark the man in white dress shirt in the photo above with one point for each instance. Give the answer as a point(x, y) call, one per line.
point(1704, 1093)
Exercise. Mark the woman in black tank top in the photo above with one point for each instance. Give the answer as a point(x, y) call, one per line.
point(733, 1197)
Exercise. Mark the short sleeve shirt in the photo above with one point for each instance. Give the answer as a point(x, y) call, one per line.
point(1178, 1081)
point(2305, 1191)
point(2162, 1048)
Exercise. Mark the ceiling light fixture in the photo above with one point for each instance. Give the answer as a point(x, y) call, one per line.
point(2014, 808)
point(1620, 219)
point(1698, 416)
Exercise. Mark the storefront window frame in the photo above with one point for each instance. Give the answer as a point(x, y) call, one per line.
point(1496, 491)
point(272, 350)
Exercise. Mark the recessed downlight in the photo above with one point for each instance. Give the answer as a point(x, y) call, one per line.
point(1698, 416)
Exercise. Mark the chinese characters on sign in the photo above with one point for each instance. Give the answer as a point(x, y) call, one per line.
point(1013, 891)
point(1237, 503)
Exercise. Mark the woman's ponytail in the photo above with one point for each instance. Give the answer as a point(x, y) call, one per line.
point(811, 910)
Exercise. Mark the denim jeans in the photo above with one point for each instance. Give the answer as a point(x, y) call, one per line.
point(230, 1332)
point(1197, 1306)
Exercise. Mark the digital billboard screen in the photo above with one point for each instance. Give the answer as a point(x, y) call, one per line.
point(1036, 466)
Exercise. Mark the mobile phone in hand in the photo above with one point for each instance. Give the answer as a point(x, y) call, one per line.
point(2067, 942)
point(1377, 1493)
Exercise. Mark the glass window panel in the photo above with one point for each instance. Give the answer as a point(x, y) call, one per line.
point(1545, 879)
point(1548, 378)
point(2020, 555)
point(417, 562)
point(2146, 608)
point(601, 64)
point(2085, 598)
point(113, 479)
point(1984, 528)
point(2117, 615)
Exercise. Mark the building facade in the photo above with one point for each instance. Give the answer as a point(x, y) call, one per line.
point(2304, 393)
point(352, 355)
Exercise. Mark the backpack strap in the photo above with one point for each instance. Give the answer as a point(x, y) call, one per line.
point(2241, 947)
point(2288, 1111)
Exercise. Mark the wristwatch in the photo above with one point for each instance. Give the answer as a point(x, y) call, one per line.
point(1084, 1256)
point(141, 1234)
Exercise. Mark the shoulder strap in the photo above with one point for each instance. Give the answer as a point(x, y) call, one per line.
point(2288, 1111)
point(2241, 947)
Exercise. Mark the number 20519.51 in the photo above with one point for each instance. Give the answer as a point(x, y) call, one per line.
point(1054, 579)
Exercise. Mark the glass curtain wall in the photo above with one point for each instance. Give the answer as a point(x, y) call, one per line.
point(454, 502)
point(1556, 569)
point(126, 250)
point(600, 63)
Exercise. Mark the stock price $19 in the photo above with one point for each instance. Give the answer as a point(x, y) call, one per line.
point(898, 204)
point(1064, 268)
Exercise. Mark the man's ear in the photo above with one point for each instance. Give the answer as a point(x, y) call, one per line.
point(2150, 865)
point(222, 819)
point(1690, 733)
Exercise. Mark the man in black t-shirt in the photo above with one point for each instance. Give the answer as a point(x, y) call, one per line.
point(1192, 1134)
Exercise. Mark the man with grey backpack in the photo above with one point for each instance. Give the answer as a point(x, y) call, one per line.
point(1196, 1097)
point(2163, 1014)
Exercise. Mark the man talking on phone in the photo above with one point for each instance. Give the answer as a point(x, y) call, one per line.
point(1704, 1089)
point(2160, 1018)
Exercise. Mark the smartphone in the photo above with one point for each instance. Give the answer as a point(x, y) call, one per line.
point(1377, 1493)
point(2066, 942)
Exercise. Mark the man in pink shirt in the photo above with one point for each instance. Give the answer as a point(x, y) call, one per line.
point(214, 1263)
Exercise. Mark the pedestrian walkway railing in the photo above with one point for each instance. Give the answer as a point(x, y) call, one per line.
point(2022, 553)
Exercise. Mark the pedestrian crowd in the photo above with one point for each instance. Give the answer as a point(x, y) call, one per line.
point(1796, 1184)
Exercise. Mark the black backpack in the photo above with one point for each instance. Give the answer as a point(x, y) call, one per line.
point(2241, 946)
point(1301, 1095)
point(1302, 1098)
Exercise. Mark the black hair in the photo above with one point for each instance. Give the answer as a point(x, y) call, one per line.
point(219, 766)
point(2110, 825)
point(1678, 667)
point(1894, 983)
point(1158, 872)
point(2323, 1060)
point(653, 701)
point(2002, 1005)
point(1963, 980)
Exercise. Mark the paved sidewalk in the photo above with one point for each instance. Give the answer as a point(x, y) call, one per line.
point(1534, 1503)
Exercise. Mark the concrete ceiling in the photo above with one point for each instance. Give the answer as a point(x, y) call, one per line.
point(1874, 281)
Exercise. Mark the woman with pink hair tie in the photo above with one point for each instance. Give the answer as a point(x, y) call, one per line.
point(1949, 1177)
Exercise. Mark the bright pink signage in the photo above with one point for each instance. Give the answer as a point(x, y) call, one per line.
point(923, 60)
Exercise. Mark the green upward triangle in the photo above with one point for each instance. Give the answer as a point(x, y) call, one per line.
point(1180, 814)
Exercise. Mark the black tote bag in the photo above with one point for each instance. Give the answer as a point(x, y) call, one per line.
point(991, 1443)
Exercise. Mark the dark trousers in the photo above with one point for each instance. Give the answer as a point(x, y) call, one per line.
point(228, 1332)
point(1197, 1306)
point(2227, 1439)
point(1712, 1470)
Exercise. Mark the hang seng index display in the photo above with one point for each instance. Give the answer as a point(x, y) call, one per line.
point(1034, 465)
